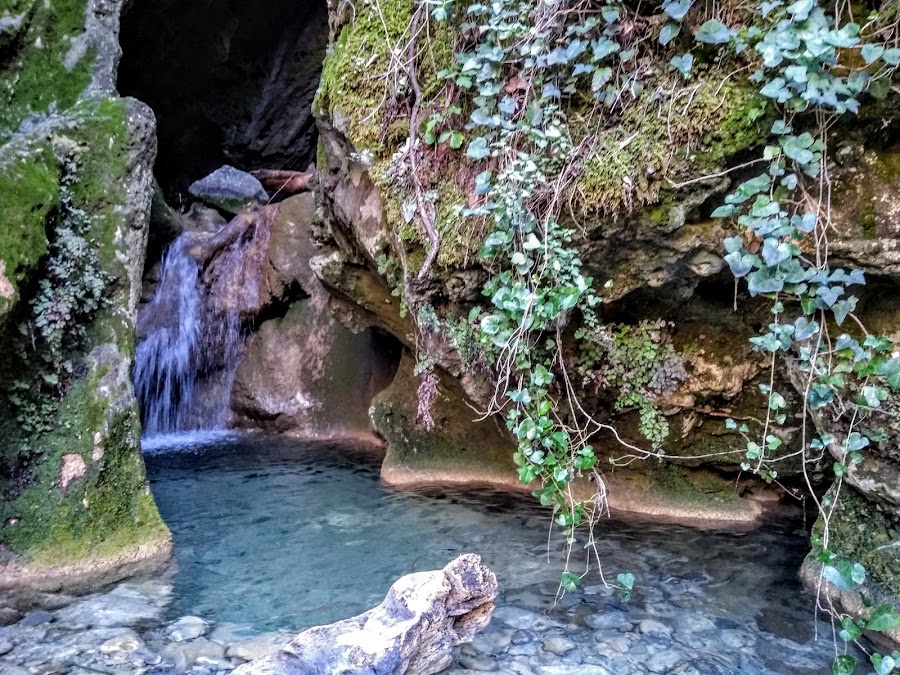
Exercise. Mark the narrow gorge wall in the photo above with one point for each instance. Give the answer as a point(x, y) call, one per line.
point(74, 204)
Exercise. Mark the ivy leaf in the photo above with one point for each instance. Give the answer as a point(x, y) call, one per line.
point(766, 8)
point(610, 14)
point(856, 442)
point(491, 324)
point(891, 56)
point(765, 281)
point(724, 211)
point(890, 371)
point(872, 397)
point(478, 149)
point(842, 309)
point(677, 9)
point(733, 244)
point(780, 128)
point(774, 252)
point(849, 630)
point(871, 52)
point(884, 665)
point(843, 665)
point(839, 575)
point(668, 33)
point(741, 265)
point(601, 77)
point(776, 89)
point(805, 329)
point(820, 395)
point(883, 618)
point(801, 9)
point(714, 32)
point(569, 581)
point(625, 580)
point(682, 64)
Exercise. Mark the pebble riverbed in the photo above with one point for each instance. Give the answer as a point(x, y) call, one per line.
point(705, 602)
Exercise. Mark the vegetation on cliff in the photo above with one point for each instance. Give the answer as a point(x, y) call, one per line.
point(564, 113)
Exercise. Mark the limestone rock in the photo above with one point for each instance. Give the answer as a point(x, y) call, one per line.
point(229, 189)
point(459, 449)
point(412, 632)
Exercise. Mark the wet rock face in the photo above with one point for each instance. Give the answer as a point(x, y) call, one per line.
point(303, 373)
point(412, 632)
point(231, 82)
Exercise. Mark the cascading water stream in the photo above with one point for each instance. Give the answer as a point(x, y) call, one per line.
point(165, 372)
point(186, 361)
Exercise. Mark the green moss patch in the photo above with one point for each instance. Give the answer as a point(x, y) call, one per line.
point(860, 531)
point(29, 191)
point(103, 513)
point(36, 78)
point(678, 138)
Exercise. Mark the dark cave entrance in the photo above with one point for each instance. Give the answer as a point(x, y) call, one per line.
point(230, 81)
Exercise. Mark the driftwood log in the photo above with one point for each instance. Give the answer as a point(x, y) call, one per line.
point(412, 632)
point(283, 182)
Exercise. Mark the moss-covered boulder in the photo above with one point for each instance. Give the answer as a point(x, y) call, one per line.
point(75, 188)
point(76, 506)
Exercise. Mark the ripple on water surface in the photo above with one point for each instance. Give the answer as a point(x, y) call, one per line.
point(281, 534)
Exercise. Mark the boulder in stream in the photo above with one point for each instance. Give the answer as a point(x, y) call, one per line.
point(229, 189)
point(412, 632)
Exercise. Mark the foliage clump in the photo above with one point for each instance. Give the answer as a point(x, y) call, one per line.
point(70, 291)
point(639, 363)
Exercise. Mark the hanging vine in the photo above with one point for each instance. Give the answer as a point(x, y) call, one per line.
point(521, 70)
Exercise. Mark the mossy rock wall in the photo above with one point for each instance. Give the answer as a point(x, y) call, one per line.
point(641, 207)
point(75, 171)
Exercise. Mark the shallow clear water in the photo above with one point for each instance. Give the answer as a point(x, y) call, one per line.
point(281, 535)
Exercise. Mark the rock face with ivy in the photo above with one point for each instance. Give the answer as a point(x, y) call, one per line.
point(551, 207)
point(75, 196)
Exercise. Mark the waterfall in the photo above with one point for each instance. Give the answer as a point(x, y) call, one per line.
point(188, 354)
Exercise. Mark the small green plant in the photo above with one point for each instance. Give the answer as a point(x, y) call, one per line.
point(639, 363)
point(70, 291)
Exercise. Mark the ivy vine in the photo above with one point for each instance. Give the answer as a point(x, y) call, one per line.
point(519, 66)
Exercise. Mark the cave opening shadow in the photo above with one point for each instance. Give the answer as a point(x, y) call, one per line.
point(231, 82)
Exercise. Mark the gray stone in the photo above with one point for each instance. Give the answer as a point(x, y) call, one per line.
point(6, 646)
point(124, 606)
point(9, 616)
point(665, 660)
point(414, 630)
point(187, 628)
point(229, 189)
point(127, 643)
point(607, 619)
point(580, 669)
point(184, 655)
point(37, 618)
point(255, 648)
point(10, 669)
point(521, 637)
point(481, 663)
point(558, 645)
point(654, 628)
point(492, 642)
point(524, 619)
